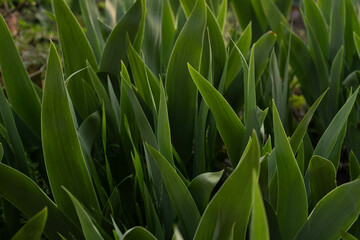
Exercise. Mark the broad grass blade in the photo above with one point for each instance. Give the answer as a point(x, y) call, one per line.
point(88, 228)
point(329, 138)
point(235, 204)
point(202, 186)
point(25, 195)
point(115, 47)
point(228, 123)
point(64, 159)
point(322, 177)
point(259, 228)
point(292, 200)
point(338, 209)
point(182, 109)
point(182, 202)
point(72, 40)
point(33, 228)
point(19, 89)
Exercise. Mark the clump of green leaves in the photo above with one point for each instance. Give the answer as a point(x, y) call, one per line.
point(151, 125)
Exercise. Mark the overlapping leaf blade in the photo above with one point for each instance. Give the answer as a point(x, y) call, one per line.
point(64, 159)
point(182, 108)
point(19, 88)
point(25, 195)
point(338, 209)
point(229, 125)
point(291, 193)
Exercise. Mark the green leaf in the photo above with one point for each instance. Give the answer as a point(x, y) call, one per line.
point(322, 177)
point(74, 45)
point(318, 58)
point(152, 45)
point(274, 16)
point(335, 81)
point(25, 195)
point(318, 25)
point(338, 209)
point(300, 131)
point(202, 186)
point(284, 6)
point(259, 228)
point(229, 125)
point(291, 187)
point(168, 32)
point(354, 166)
point(64, 159)
point(221, 18)
point(141, 78)
point(115, 47)
point(12, 136)
point(163, 128)
point(234, 60)
point(262, 51)
point(136, 233)
point(329, 138)
point(103, 97)
point(19, 89)
point(182, 202)
point(90, 15)
point(182, 108)
point(337, 27)
point(33, 228)
point(89, 229)
point(346, 236)
point(357, 43)
point(352, 25)
point(231, 205)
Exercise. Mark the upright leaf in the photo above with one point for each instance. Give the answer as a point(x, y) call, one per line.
point(259, 228)
point(19, 89)
point(329, 138)
point(291, 192)
point(115, 47)
point(182, 108)
point(337, 26)
point(74, 45)
point(64, 160)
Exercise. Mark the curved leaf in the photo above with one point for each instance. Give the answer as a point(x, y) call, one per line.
point(202, 186)
point(228, 123)
point(136, 233)
point(115, 47)
point(338, 209)
point(25, 195)
point(182, 202)
point(322, 177)
point(231, 206)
